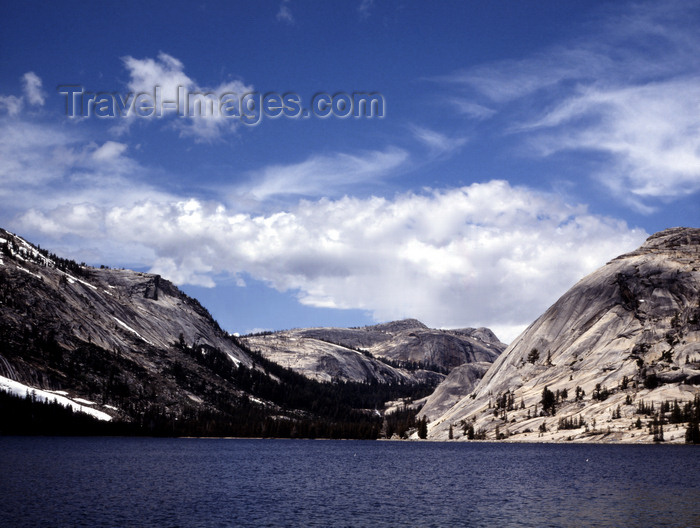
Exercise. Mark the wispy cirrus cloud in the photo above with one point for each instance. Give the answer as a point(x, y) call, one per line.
point(323, 175)
point(627, 89)
point(437, 143)
point(651, 131)
point(470, 108)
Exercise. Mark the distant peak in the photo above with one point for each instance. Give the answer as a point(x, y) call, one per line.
point(403, 324)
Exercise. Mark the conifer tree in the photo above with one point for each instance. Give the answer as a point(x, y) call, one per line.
point(548, 401)
point(423, 428)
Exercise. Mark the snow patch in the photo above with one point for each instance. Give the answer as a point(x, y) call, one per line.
point(73, 280)
point(127, 327)
point(27, 271)
point(21, 390)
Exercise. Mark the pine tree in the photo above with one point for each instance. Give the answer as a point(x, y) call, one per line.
point(423, 428)
point(548, 401)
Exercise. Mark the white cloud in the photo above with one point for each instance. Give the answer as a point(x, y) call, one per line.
point(31, 84)
point(167, 73)
point(57, 181)
point(627, 89)
point(285, 14)
point(109, 151)
point(471, 109)
point(11, 103)
point(509, 80)
point(652, 133)
point(323, 175)
point(487, 254)
point(437, 143)
point(32, 88)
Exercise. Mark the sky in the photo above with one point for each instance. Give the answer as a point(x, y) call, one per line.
point(346, 163)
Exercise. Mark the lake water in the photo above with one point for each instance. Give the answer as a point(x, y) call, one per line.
point(146, 482)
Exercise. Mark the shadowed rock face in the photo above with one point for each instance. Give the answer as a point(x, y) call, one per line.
point(103, 334)
point(629, 331)
point(445, 348)
point(351, 353)
point(458, 384)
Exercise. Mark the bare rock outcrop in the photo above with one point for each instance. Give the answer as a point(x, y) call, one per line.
point(623, 337)
point(404, 350)
point(458, 384)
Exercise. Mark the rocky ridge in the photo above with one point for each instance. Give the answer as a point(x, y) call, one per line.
point(404, 350)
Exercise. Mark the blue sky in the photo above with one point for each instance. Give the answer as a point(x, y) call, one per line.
point(523, 144)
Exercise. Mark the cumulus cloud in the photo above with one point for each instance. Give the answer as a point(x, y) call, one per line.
point(205, 122)
point(110, 150)
point(165, 71)
point(32, 88)
point(46, 168)
point(486, 254)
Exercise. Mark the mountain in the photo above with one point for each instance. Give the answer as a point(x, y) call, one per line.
point(616, 358)
point(131, 343)
point(458, 384)
point(132, 348)
point(399, 351)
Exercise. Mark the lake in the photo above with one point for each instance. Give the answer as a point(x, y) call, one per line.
point(149, 482)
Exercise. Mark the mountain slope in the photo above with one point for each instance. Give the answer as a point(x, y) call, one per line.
point(116, 337)
point(625, 336)
point(134, 348)
point(458, 384)
point(404, 351)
